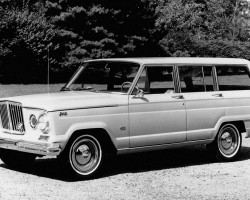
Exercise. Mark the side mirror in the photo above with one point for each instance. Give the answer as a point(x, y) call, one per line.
point(139, 93)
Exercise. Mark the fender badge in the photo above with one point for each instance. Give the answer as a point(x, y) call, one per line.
point(63, 114)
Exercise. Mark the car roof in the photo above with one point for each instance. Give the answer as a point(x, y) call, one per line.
point(176, 60)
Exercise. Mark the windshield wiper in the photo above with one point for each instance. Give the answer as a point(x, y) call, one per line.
point(85, 88)
point(65, 89)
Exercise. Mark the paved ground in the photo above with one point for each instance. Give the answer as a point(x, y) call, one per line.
point(172, 174)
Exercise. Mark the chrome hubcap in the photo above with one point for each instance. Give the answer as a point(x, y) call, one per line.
point(226, 140)
point(83, 154)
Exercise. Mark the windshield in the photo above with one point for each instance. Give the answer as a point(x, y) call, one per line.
point(104, 77)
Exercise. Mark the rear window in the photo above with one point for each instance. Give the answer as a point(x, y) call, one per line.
point(233, 78)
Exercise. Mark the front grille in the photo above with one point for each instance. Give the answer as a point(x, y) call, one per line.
point(11, 117)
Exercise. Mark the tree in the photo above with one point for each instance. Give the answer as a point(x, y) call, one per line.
point(100, 29)
point(204, 28)
point(25, 35)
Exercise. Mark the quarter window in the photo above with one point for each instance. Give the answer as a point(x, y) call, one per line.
point(233, 78)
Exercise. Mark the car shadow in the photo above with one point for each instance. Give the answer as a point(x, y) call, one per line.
point(166, 159)
point(131, 163)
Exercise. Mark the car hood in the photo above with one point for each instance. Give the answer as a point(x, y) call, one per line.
point(68, 100)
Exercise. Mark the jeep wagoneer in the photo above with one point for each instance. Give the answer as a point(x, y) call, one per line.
point(130, 105)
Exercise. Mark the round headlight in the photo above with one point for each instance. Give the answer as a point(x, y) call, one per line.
point(43, 122)
point(33, 121)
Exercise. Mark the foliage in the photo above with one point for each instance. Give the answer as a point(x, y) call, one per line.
point(204, 28)
point(101, 29)
point(71, 31)
point(24, 38)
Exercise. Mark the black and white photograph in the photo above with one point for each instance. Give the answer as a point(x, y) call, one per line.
point(124, 100)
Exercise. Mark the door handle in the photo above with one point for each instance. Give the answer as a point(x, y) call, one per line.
point(178, 97)
point(217, 95)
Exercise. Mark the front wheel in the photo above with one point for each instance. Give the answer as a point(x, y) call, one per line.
point(85, 156)
point(227, 143)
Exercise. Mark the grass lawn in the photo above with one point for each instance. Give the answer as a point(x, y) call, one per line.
point(16, 90)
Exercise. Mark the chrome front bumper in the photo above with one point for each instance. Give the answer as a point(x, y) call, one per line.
point(30, 147)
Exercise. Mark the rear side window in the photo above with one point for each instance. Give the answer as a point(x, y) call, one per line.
point(196, 78)
point(233, 78)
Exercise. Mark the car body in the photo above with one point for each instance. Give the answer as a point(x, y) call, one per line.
point(131, 105)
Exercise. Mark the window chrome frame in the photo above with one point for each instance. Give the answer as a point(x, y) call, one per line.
point(144, 66)
point(194, 65)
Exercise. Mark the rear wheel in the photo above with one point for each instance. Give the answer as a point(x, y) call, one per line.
point(16, 159)
point(85, 156)
point(227, 144)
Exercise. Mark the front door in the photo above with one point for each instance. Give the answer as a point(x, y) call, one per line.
point(159, 117)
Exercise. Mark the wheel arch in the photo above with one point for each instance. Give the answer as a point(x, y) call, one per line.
point(239, 124)
point(99, 133)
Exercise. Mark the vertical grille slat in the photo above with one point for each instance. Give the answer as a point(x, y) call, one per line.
point(11, 117)
point(4, 116)
point(14, 114)
point(17, 116)
point(11, 114)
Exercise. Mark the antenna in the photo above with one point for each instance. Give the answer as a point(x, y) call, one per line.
point(48, 88)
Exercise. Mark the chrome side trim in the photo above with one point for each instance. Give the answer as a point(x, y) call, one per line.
point(163, 146)
point(30, 147)
point(87, 107)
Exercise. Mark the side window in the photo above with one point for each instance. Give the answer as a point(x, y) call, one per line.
point(233, 78)
point(160, 80)
point(157, 80)
point(196, 78)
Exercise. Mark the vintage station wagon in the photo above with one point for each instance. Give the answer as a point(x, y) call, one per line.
point(130, 105)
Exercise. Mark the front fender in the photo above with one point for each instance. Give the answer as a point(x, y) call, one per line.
point(85, 126)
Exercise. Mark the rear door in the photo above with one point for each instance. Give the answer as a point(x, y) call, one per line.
point(204, 104)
